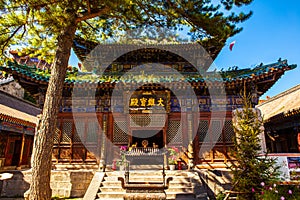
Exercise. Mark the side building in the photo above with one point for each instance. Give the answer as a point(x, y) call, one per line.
point(17, 129)
point(282, 121)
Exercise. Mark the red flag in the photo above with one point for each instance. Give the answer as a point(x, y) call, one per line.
point(79, 65)
point(231, 45)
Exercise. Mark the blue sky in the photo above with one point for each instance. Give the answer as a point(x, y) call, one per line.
point(272, 32)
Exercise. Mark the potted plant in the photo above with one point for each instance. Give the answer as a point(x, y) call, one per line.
point(173, 156)
point(122, 162)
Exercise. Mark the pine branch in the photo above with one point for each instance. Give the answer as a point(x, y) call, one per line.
point(187, 18)
point(87, 16)
point(5, 42)
point(89, 25)
point(147, 13)
point(88, 6)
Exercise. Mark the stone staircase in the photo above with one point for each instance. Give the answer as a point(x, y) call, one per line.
point(185, 185)
point(110, 187)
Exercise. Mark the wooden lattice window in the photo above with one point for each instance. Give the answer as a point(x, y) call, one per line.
point(120, 135)
point(92, 131)
point(57, 133)
point(66, 131)
point(216, 131)
point(79, 131)
point(228, 131)
point(174, 133)
point(3, 143)
point(210, 133)
point(202, 130)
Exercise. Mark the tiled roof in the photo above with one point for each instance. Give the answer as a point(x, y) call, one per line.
point(83, 47)
point(222, 76)
point(263, 76)
point(17, 117)
point(282, 105)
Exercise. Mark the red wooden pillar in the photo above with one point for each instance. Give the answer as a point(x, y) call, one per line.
point(22, 149)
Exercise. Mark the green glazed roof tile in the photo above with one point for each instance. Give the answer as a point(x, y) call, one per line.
point(227, 76)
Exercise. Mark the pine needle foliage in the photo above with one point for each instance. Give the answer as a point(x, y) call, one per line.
point(252, 168)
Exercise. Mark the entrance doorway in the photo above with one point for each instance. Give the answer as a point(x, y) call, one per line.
point(152, 136)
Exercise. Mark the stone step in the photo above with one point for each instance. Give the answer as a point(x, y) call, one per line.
point(111, 178)
point(180, 173)
point(180, 178)
point(171, 184)
point(111, 189)
point(114, 173)
point(146, 172)
point(111, 183)
point(175, 172)
point(157, 174)
point(175, 195)
point(145, 179)
point(114, 180)
point(145, 195)
point(111, 195)
point(180, 183)
point(146, 167)
point(180, 189)
point(154, 173)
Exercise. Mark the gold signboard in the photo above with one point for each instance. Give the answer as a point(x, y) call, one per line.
point(149, 102)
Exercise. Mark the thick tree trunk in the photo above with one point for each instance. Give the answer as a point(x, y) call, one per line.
point(42, 149)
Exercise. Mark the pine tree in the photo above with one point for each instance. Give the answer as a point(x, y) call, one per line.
point(252, 168)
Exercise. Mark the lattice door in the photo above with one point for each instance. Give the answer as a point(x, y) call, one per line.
point(120, 135)
point(228, 131)
point(202, 130)
point(216, 131)
point(174, 133)
point(79, 131)
point(92, 131)
point(66, 131)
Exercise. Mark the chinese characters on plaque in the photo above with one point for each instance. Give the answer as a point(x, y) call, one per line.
point(147, 102)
